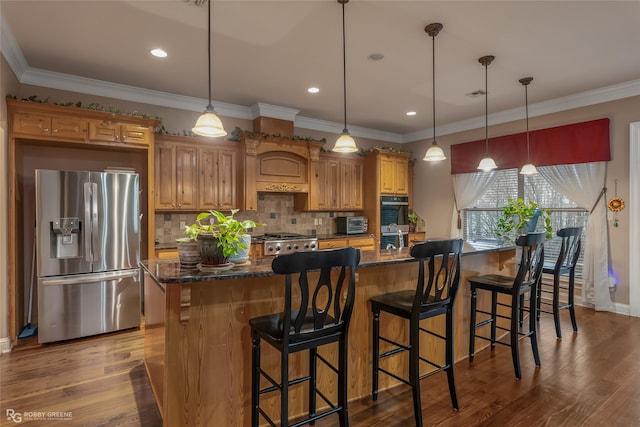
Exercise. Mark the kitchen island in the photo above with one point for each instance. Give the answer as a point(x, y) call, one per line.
point(198, 343)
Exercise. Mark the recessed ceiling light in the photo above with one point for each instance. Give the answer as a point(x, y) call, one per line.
point(313, 90)
point(159, 53)
point(410, 113)
point(376, 56)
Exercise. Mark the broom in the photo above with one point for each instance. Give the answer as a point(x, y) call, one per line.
point(30, 330)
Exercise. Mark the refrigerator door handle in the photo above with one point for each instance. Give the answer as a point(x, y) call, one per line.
point(95, 237)
point(91, 277)
point(87, 221)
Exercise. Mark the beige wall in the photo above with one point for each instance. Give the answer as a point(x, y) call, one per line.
point(433, 198)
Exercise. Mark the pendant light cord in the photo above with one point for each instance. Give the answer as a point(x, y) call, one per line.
point(209, 48)
point(526, 112)
point(486, 108)
point(433, 66)
point(344, 73)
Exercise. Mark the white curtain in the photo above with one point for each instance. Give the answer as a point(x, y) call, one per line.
point(467, 188)
point(582, 183)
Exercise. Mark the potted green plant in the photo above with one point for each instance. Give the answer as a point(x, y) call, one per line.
point(188, 251)
point(413, 221)
point(519, 217)
point(219, 236)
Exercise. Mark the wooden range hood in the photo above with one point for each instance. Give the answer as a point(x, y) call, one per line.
point(279, 164)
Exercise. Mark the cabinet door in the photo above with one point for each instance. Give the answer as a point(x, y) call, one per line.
point(387, 172)
point(351, 184)
point(186, 177)
point(135, 134)
point(328, 175)
point(104, 131)
point(165, 176)
point(401, 175)
point(69, 128)
point(363, 243)
point(227, 181)
point(31, 124)
point(332, 244)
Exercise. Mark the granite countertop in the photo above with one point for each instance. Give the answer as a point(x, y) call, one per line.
point(170, 271)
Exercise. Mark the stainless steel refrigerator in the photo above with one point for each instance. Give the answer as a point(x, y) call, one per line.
point(88, 251)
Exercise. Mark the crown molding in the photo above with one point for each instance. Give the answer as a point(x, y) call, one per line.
point(10, 48)
point(355, 131)
point(260, 109)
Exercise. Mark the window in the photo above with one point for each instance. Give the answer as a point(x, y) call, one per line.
point(479, 221)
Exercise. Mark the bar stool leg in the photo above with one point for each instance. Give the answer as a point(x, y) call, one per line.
point(255, 379)
point(571, 291)
point(556, 305)
point(533, 330)
point(494, 319)
point(515, 302)
point(284, 389)
point(343, 376)
point(472, 321)
point(449, 360)
point(376, 353)
point(313, 372)
point(414, 372)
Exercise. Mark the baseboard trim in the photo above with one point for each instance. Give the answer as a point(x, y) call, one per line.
point(5, 345)
point(622, 308)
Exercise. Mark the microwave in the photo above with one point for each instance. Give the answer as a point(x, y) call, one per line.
point(352, 224)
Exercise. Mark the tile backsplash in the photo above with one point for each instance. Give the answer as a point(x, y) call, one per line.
point(274, 210)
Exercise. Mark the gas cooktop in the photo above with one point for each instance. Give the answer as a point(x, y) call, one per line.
point(285, 243)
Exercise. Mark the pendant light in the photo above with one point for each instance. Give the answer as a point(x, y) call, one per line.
point(345, 142)
point(209, 124)
point(529, 168)
point(434, 153)
point(487, 164)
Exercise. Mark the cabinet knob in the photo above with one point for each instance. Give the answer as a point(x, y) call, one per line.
point(45, 130)
point(55, 130)
point(115, 138)
point(124, 137)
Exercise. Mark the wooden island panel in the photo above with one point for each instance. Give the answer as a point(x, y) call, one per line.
point(207, 355)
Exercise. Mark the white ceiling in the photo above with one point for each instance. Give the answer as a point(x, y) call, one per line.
point(578, 52)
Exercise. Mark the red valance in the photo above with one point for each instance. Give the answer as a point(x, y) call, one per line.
point(563, 145)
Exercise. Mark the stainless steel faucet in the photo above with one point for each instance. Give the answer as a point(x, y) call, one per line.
point(400, 244)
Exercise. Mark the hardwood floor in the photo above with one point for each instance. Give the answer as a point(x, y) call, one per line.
point(591, 378)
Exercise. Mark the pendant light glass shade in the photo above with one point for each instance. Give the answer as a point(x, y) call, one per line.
point(487, 164)
point(434, 153)
point(528, 168)
point(209, 124)
point(345, 142)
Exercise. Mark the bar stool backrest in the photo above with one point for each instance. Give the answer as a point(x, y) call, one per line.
point(321, 305)
point(570, 248)
point(531, 261)
point(439, 287)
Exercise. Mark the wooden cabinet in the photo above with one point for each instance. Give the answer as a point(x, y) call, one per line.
point(218, 178)
point(176, 176)
point(364, 243)
point(193, 175)
point(416, 237)
point(166, 253)
point(119, 133)
point(332, 243)
point(340, 183)
point(68, 128)
point(394, 174)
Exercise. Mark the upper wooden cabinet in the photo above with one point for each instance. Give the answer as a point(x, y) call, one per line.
point(69, 124)
point(123, 133)
point(394, 173)
point(176, 177)
point(339, 184)
point(217, 185)
point(195, 175)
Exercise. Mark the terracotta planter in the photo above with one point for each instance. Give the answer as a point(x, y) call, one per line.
point(189, 254)
point(210, 254)
point(412, 227)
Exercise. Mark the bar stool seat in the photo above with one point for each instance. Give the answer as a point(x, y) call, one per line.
point(319, 315)
point(433, 296)
point(525, 282)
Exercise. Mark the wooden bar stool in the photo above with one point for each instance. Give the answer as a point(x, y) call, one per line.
point(564, 265)
point(526, 281)
point(433, 296)
point(321, 316)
